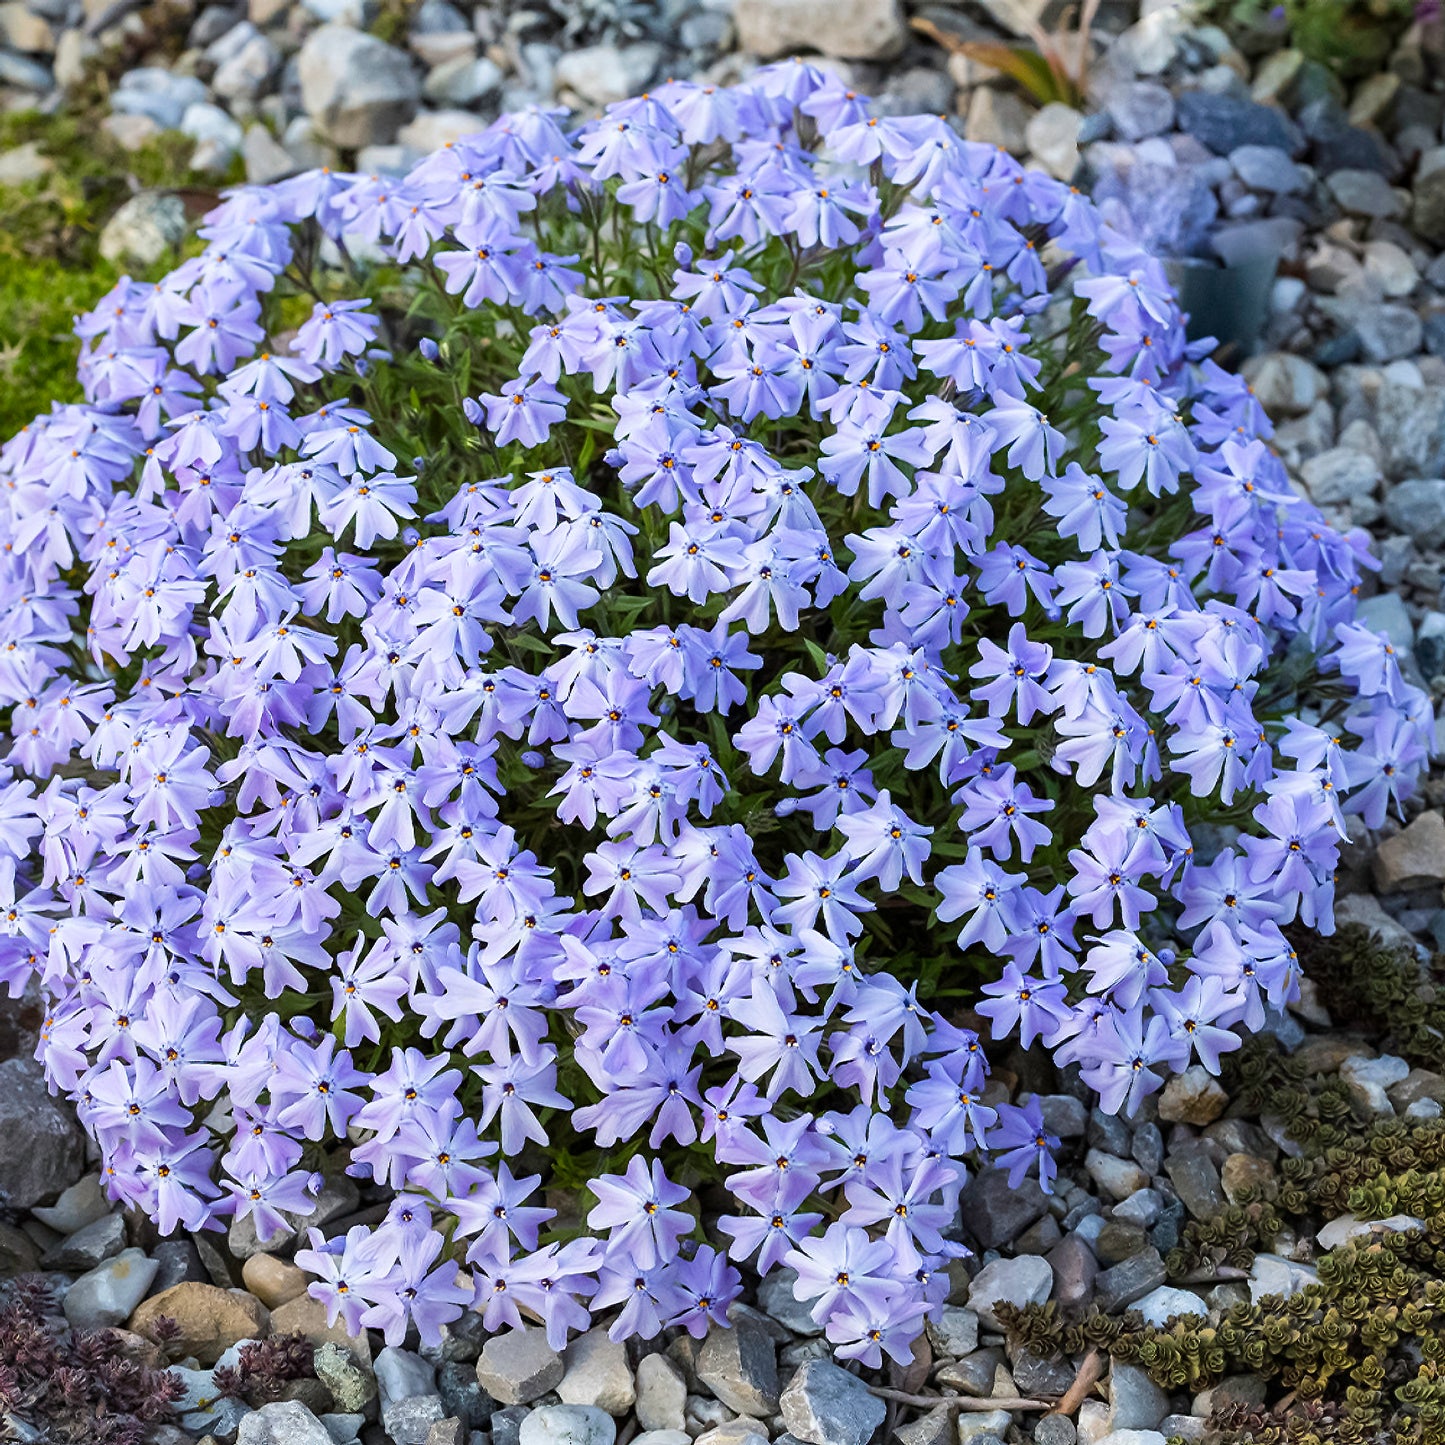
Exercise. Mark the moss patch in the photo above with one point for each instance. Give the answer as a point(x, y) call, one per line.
point(50, 263)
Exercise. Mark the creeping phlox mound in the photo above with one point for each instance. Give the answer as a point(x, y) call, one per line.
point(538, 726)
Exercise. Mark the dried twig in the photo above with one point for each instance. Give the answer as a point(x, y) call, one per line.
point(1213, 1276)
point(958, 1402)
point(1091, 1367)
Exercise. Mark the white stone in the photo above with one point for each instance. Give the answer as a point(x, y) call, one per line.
point(283, 1422)
point(661, 1394)
point(567, 1425)
point(1347, 1227)
point(1273, 1274)
point(846, 29)
point(597, 1373)
point(1159, 1304)
point(463, 81)
point(1052, 137)
point(358, 89)
point(605, 74)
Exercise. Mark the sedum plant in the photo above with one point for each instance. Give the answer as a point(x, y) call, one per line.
point(750, 575)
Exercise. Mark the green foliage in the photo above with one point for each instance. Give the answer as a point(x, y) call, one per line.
point(1352, 37)
point(50, 263)
point(1359, 1358)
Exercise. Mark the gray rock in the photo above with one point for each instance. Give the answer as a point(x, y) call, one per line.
point(605, 74)
point(144, 230)
point(24, 73)
point(518, 1366)
point(1364, 193)
point(1142, 1207)
point(1040, 1375)
point(567, 1425)
point(661, 1394)
point(1064, 1115)
point(206, 122)
point(1129, 1280)
point(1430, 644)
point(1368, 1079)
point(1075, 1270)
point(777, 1300)
point(41, 1149)
point(357, 89)
point(973, 1375)
point(1146, 1148)
point(266, 158)
point(462, 1396)
point(1389, 331)
point(1022, 1281)
point(1052, 137)
point(934, 1428)
point(1135, 1401)
point(1118, 1178)
point(339, 1196)
point(1195, 1178)
point(249, 69)
point(409, 1421)
point(1140, 108)
point(89, 1246)
point(1055, 1430)
point(740, 1367)
point(81, 1204)
point(1410, 421)
point(1266, 168)
point(400, 1373)
point(109, 1293)
point(23, 29)
point(954, 1332)
point(157, 93)
point(988, 1427)
point(825, 1405)
point(1339, 475)
point(23, 164)
point(997, 118)
point(1224, 123)
point(995, 1214)
point(1427, 211)
point(465, 81)
point(506, 1424)
point(847, 29)
point(1412, 858)
point(352, 1386)
point(284, 1422)
point(1417, 509)
point(451, 1431)
point(204, 1410)
point(1286, 384)
point(597, 1373)
point(1390, 265)
point(20, 165)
